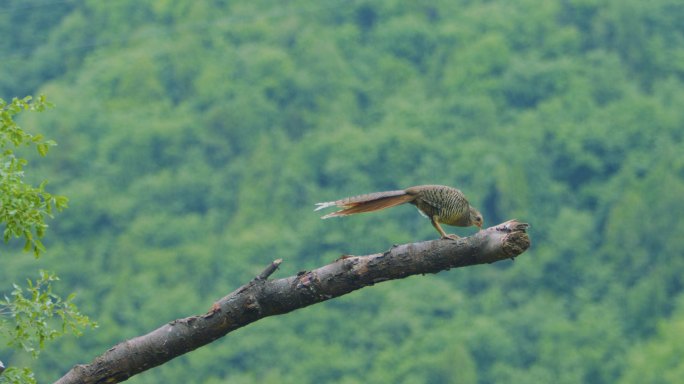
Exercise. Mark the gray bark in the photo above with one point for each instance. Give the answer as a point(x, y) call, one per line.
point(262, 297)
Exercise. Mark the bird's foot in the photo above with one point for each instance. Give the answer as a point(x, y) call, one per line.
point(451, 236)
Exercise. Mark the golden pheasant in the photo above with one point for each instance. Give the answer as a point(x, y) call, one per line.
point(441, 204)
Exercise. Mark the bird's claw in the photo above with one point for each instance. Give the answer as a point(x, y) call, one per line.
point(451, 237)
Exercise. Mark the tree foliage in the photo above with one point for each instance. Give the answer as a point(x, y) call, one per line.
point(28, 315)
point(23, 208)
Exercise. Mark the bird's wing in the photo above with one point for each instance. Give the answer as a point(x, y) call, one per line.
point(433, 204)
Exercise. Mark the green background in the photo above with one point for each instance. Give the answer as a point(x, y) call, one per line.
point(196, 136)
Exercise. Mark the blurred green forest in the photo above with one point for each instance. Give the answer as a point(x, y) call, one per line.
point(196, 136)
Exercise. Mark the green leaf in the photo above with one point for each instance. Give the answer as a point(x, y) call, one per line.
point(27, 245)
point(42, 149)
point(61, 202)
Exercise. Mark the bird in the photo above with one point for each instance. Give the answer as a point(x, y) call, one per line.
point(439, 203)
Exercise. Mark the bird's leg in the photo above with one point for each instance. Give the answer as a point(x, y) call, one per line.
point(439, 229)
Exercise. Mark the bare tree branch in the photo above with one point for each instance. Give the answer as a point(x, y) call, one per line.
point(261, 297)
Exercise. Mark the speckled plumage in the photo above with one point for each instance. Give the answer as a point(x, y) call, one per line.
point(441, 204)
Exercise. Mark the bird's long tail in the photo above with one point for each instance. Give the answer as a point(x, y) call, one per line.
point(366, 203)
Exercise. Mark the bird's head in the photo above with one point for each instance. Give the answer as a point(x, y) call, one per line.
point(476, 218)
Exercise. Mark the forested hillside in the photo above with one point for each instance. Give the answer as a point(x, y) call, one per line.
point(196, 136)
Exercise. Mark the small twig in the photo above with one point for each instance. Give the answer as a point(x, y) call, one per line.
point(269, 270)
